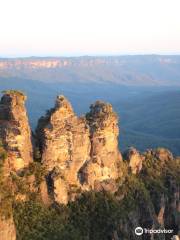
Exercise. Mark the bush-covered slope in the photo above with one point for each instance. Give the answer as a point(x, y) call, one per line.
point(101, 215)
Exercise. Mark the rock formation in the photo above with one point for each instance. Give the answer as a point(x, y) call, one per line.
point(79, 151)
point(135, 160)
point(16, 150)
point(104, 155)
point(65, 146)
point(163, 154)
point(81, 154)
point(15, 132)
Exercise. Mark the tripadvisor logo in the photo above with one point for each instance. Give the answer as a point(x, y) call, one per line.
point(139, 231)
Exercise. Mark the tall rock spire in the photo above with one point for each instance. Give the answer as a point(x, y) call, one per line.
point(15, 132)
point(78, 151)
point(65, 145)
point(105, 156)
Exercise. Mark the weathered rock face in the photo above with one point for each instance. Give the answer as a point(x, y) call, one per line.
point(135, 160)
point(15, 153)
point(64, 143)
point(7, 229)
point(163, 154)
point(84, 150)
point(104, 154)
point(15, 132)
point(57, 186)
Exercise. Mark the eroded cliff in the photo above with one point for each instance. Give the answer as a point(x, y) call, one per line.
point(16, 154)
point(15, 132)
point(79, 152)
point(104, 157)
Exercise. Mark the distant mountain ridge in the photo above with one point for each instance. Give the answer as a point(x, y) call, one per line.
point(140, 70)
point(144, 89)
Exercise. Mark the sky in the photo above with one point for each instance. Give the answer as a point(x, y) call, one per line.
point(89, 27)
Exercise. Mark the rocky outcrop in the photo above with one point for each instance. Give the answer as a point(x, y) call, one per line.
point(16, 154)
point(134, 159)
point(164, 155)
point(64, 144)
point(79, 151)
point(58, 187)
point(15, 132)
point(104, 155)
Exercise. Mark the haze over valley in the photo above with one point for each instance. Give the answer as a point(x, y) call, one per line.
point(143, 89)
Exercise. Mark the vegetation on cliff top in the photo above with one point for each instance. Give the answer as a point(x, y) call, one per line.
point(21, 95)
point(14, 92)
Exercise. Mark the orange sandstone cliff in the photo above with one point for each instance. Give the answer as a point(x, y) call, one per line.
point(79, 152)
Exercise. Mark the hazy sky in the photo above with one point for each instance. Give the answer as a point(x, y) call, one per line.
point(79, 27)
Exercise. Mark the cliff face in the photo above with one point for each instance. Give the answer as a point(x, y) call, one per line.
point(78, 151)
point(54, 63)
point(15, 154)
point(65, 146)
point(135, 160)
point(15, 132)
point(63, 139)
point(104, 155)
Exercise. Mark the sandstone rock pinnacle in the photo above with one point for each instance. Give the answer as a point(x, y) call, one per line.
point(15, 132)
point(64, 143)
point(104, 155)
point(83, 152)
point(135, 160)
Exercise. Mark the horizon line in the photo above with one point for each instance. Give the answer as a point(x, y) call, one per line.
point(89, 55)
